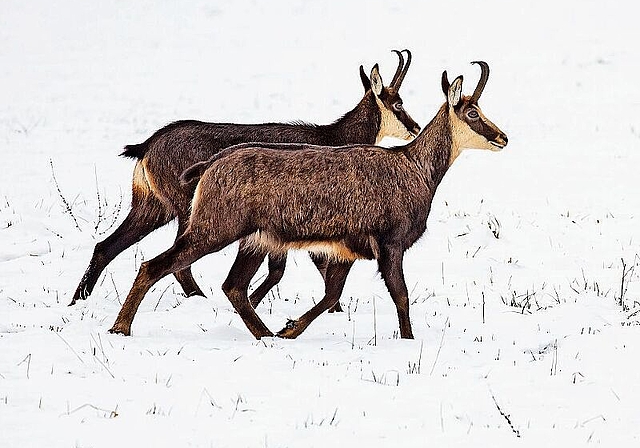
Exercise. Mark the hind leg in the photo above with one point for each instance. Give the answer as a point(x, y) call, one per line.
point(187, 249)
point(145, 216)
point(335, 277)
point(184, 276)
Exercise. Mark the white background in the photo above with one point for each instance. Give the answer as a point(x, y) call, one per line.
point(523, 334)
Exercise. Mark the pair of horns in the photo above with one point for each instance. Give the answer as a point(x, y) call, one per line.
point(484, 76)
point(401, 71)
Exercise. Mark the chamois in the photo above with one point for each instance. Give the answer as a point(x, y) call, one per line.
point(352, 202)
point(158, 197)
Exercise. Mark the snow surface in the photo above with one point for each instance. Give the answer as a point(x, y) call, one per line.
point(529, 337)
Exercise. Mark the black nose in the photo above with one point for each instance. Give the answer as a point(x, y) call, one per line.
point(506, 140)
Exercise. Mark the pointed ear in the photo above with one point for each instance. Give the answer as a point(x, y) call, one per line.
point(366, 83)
point(455, 92)
point(445, 83)
point(376, 80)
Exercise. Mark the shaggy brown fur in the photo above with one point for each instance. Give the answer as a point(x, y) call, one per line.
point(158, 197)
point(351, 202)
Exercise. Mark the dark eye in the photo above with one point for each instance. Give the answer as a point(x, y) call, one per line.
point(472, 113)
point(397, 106)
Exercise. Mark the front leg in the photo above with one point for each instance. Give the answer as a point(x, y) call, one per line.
point(236, 285)
point(321, 262)
point(184, 276)
point(390, 265)
point(277, 263)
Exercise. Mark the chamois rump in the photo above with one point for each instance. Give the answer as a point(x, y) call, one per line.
point(158, 197)
point(349, 203)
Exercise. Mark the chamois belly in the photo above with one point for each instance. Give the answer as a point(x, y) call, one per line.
point(333, 250)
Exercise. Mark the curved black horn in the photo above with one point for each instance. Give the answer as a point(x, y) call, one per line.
point(482, 82)
point(398, 70)
point(398, 82)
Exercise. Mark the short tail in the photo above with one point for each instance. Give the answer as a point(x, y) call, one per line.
point(135, 151)
point(195, 172)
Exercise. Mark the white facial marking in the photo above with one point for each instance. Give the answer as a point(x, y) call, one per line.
point(390, 126)
point(466, 138)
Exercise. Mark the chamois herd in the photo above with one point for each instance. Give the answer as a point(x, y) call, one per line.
point(347, 199)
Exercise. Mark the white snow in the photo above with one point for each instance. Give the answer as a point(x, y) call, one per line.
point(521, 335)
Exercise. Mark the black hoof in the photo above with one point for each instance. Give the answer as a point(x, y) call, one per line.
point(337, 308)
point(288, 331)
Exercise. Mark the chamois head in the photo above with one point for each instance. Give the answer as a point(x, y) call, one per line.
point(470, 128)
point(394, 120)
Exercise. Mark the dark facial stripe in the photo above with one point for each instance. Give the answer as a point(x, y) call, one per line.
point(483, 128)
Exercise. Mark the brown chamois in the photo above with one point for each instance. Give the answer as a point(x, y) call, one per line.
point(349, 203)
point(158, 197)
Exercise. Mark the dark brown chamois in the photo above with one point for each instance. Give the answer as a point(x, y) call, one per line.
point(158, 197)
point(349, 203)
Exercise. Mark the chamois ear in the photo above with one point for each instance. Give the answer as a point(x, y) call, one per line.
point(376, 80)
point(366, 83)
point(445, 83)
point(454, 93)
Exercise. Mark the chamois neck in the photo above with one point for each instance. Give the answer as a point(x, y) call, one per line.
point(359, 125)
point(435, 148)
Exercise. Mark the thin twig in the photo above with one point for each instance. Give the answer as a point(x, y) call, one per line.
point(26, 359)
point(105, 367)
point(112, 414)
point(70, 348)
point(444, 329)
point(554, 360)
point(375, 325)
point(160, 298)
point(99, 220)
point(115, 216)
point(333, 418)
point(113, 282)
point(624, 282)
point(64, 200)
point(506, 416)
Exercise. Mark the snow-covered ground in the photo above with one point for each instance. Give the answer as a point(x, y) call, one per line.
point(525, 290)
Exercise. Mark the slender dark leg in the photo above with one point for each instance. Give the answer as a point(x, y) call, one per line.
point(187, 249)
point(242, 271)
point(184, 276)
point(321, 263)
point(335, 277)
point(141, 221)
point(237, 282)
point(277, 264)
point(390, 265)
